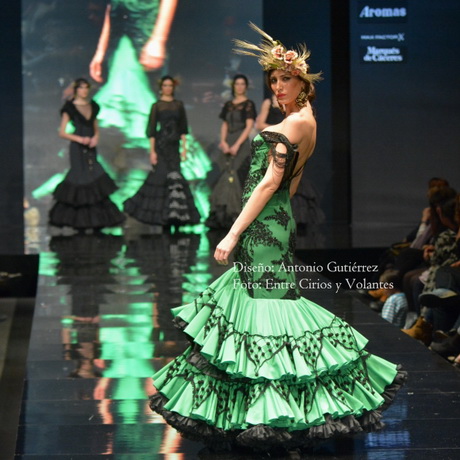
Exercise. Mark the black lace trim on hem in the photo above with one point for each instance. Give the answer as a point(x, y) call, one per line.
point(264, 437)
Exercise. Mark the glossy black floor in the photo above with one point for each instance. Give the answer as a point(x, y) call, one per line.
point(102, 326)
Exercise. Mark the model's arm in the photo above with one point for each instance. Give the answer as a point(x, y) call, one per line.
point(71, 137)
point(257, 201)
point(243, 136)
point(262, 118)
point(184, 147)
point(95, 139)
point(151, 133)
point(95, 66)
point(183, 130)
point(223, 145)
point(153, 153)
point(154, 51)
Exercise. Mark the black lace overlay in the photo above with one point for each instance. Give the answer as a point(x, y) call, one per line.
point(286, 161)
point(281, 217)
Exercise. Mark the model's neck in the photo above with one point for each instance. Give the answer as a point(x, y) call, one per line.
point(81, 100)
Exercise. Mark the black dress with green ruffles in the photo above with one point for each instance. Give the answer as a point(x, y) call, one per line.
point(267, 367)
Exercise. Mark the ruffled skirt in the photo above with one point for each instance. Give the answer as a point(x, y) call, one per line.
point(163, 199)
point(85, 205)
point(265, 373)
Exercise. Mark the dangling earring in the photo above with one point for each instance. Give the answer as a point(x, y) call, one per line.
point(302, 99)
point(281, 107)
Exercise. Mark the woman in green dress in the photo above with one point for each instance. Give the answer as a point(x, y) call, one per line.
point(132, 45)
point(267, 368)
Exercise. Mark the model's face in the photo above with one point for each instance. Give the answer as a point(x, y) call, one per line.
point(167, 88)
point(82, 90)
point(239, 87)
point(285, 86)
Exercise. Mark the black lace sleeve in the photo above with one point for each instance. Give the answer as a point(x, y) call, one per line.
point(223, 112)
point(182, 125)
point(152, 124)
point(286, 161)
point(250, 112)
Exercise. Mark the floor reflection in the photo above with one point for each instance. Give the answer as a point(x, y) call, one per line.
point(116, 327)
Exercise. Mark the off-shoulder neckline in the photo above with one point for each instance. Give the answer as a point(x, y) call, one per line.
point(281, 135)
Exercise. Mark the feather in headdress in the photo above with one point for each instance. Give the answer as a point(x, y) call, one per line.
point(272, 55)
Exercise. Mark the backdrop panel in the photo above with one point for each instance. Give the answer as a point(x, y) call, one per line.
point(404, 111)
point(59, 42)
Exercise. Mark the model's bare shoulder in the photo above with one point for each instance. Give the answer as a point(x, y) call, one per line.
point(299, 125)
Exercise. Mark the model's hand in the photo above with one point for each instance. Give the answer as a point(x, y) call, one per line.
point(224, 146)
point(93, 142)
point(233, 150)
point(85, 140)
point(95, 68)
point(224, 248)
point(183, 155)
point(153, 158)
point(153, 54)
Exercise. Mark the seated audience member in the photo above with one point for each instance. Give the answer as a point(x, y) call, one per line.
point(407, 255)
point(423, 232)
point(395, 307)
point(449, 348)
point(417, 261)
point(440, 256)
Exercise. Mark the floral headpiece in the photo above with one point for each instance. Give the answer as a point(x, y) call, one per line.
point(273, 55)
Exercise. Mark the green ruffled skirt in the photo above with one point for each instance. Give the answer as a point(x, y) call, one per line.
point(269, 372)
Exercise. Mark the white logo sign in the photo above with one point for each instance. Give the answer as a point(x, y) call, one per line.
point(374, 54)
point(400, 37)
point(368, 12)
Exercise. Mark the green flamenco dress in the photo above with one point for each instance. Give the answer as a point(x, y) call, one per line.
point(267, 367)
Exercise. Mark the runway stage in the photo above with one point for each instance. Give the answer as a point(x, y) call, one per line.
point(102, 326)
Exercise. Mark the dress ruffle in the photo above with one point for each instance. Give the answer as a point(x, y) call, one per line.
point(85, 205)
point(163, 199)
point(264, 437)
point(89, 193)
point(267, 374)
point(99, 215)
